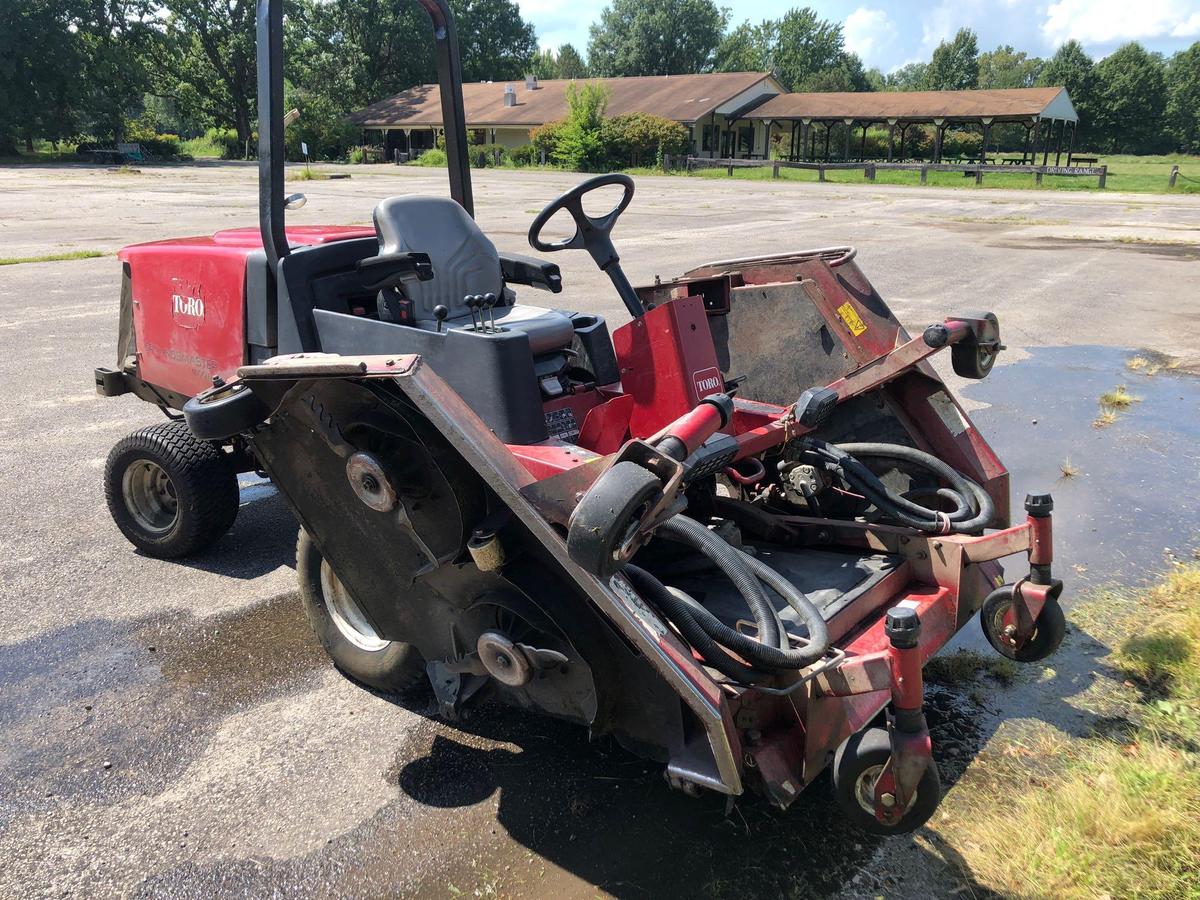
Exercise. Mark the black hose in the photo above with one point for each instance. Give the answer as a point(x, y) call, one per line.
point(730, 561)
point(681, 615)
point(973, 510)
point(818, 633)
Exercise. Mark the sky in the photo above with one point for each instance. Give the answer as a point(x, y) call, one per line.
point(887, 34)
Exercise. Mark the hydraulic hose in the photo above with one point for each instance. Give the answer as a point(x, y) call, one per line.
point(973, 510)
point(712, 638)
point(730, 561)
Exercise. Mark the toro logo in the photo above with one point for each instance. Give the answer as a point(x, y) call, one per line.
point(187, 306)
point(707, 381)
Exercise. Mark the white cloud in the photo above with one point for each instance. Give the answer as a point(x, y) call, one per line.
point(1115, 21)
point(868, 32)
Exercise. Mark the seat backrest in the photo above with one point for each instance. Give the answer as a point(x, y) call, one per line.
point(464, 260)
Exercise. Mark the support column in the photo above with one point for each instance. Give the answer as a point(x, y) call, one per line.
point(1044, 138)
point(891, 123)
point(848, 123)
point(805, 133)
point(1071, 145)
point(828, 130)
point(987, 128)
point(862, 144)
point(903, 134)
point(1062, 129)
point(939, 129)
point(1025, 148)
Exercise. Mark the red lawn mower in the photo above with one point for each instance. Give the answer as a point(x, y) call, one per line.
point(730, 533)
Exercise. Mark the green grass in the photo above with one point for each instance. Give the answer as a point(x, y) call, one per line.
point(1146, 174)
point(51, 257)
point(966, 665)
point(201, 148)
point(1106, 816)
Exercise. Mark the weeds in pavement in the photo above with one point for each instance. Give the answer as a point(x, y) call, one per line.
point(50, 257)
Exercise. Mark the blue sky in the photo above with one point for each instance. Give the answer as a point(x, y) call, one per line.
point(890, 33)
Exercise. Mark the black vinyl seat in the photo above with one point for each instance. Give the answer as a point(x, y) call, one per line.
point(465, 262)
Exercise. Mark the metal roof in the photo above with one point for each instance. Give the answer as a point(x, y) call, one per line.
point(684, 98)
point(1013, 103)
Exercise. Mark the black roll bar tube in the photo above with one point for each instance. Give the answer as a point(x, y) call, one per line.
point(269, 32)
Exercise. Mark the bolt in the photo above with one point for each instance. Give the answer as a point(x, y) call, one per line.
point(370, 484)
point(390, 362)
point(503, 661)
point(887, 801)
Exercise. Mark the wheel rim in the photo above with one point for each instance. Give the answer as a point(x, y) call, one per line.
point(347, 615)
point(864, 790)
point(1002, 619)
point(150, 496)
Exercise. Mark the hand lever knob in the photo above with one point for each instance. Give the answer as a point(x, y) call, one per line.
point(440, 313)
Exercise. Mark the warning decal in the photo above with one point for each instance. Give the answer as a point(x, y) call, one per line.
point(850, 316)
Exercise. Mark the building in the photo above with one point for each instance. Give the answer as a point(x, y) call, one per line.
point(739, 115)
point(505, 114)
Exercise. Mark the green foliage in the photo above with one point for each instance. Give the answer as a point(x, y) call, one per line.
point(655, 37)
point(955, 64)
point(1183, 98)
point(1070, 67)
point(1005, 67)
point(639, 139)
point(748, 48)
point(433, 158)
point(570, 63)
point(153, 144)
point(1132, 99)
point(911, 77)
point(524, 155)
point(321, 125)
point(806, 52)
point(579, 145)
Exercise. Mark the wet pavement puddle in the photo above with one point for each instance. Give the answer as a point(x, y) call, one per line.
point(1135, 503)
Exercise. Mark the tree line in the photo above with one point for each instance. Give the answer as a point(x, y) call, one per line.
point(120, 69)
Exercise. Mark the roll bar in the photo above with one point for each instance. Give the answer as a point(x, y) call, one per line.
point(269, 29)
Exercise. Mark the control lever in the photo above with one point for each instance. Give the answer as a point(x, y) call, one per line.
point(440, 313)
point(489, 301)
point(472, 302)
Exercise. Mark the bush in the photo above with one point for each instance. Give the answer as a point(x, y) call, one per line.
point(226, 141)
point(432, 158)
point(579, 144)
point(161, 146)
point(525, 155)
point(638, 139)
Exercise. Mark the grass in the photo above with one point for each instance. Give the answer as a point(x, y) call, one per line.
point(1145, 174)
point(966, 665)
point(1068, 469)
point(1118, 398)
point(50, 257)
point(307, 174)
point(1103, 816)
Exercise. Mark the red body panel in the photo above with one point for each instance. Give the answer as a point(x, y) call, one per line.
point(668, 363)
point(189, 302)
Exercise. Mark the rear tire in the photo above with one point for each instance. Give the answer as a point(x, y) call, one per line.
point(1048, 631)
point(170, 493)
point(856, 768)
point(348, 638)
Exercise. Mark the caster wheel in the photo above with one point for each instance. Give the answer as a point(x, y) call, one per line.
point(221, 412)
point(856, 768)
point(170, 493)
point(1048, 630)
point(346, 634)
point(969, 358)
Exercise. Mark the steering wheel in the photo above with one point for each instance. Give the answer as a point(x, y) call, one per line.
point(591, 234)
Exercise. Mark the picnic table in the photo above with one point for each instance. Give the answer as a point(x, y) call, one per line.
point(119, 153)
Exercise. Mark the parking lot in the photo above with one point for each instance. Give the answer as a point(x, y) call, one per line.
point(173, 728)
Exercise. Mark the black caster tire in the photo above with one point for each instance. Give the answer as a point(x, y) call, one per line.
point(602, 524)
point(222, 412)
point(348, 638)
point(171, 494)
point(856, 767)
point(968, 359)
point(1048, 631)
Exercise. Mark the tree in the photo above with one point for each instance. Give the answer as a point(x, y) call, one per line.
point(205, 61)
point(496, 43)
point(579, 145)
point(544, 64)
point(39, 99)
point(807, 46)
point(570, 63)
point(748, 48)
point(1072, 69)
point(1005, 67)
point(910, 77)
point(1183, 98)
point(1132, 99)
point(955, 65)
point(655, 37)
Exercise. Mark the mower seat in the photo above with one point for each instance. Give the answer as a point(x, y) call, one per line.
point(464, 262)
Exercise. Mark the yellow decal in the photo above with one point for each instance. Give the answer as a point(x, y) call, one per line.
point(850, 317)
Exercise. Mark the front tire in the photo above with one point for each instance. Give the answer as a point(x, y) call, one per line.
point(170, 493)
point(856, 768)
point(345, 633)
